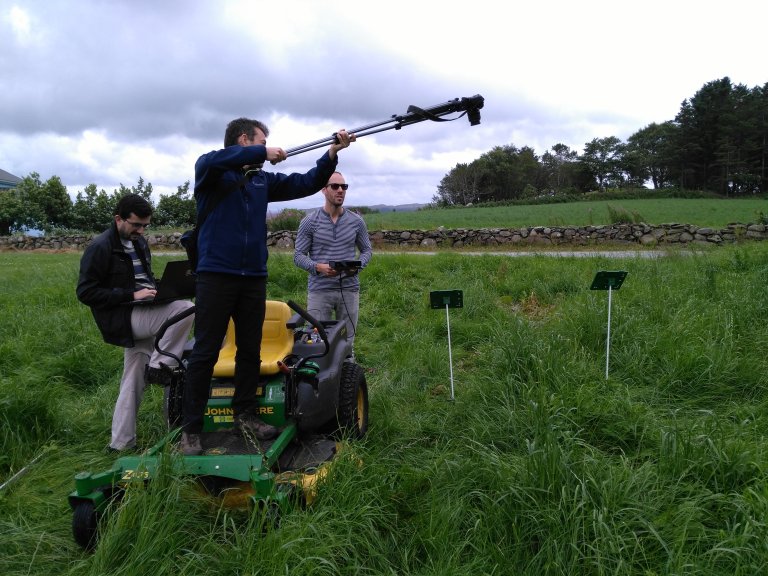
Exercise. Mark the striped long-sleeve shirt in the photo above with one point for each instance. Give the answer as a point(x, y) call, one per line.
point(320, 240)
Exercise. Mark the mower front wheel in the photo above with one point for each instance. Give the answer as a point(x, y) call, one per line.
point(352, 413)
point(85, 524)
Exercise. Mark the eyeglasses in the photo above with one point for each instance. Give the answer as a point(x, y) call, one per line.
point(137, 225)
point(335, 186)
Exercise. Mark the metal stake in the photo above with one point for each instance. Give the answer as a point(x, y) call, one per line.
point(608, 341)
point(608, 280)
point(450, 355)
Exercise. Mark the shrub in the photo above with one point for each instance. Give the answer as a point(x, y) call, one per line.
point(620, 215)
point(287, 219)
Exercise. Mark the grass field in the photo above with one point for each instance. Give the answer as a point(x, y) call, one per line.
point(540, 466)
point(715, 213)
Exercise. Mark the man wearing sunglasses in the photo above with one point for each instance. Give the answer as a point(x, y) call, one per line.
point(333, 234)
point(115, 272)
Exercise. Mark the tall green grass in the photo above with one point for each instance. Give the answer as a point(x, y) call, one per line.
point(710, 212)
point(539, 466)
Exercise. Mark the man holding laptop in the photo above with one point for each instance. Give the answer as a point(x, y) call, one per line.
point(117, 283)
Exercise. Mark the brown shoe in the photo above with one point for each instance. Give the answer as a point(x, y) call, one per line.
point(190, 444)
point(251, 425)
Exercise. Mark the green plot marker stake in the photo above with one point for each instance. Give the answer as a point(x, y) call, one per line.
point(447, 299)
point(608, 280)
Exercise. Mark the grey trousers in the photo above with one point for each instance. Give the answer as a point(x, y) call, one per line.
point(145, 323)
point(336, 305)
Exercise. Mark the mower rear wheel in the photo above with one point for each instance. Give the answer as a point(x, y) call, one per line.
point(85, 523)
point(173, 396)
point(352, 412)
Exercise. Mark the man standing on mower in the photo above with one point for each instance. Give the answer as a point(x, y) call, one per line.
point(333, 234)
point(232, 266)
point(116, 272)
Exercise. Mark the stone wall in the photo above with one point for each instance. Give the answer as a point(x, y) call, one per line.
point(646, 235)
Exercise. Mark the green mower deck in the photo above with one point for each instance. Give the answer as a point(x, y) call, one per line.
point(279, 473)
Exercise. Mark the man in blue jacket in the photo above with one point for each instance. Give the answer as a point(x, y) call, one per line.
point(232, 265)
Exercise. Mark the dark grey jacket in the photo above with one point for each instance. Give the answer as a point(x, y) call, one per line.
point(107, 284)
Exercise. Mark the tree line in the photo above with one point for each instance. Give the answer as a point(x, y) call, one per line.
point(47, 206)
point(717, 142)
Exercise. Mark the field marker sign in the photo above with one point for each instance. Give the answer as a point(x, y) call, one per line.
point(447, 299)
point(608, 280)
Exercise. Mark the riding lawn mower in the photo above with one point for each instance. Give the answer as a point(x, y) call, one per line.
point(310, 388)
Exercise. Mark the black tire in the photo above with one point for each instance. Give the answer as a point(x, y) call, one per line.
point(352, 413)
point(173, 401)
point(269, 515)
point(85, 524)
point(216, 486)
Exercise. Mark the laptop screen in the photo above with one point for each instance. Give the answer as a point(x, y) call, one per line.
point(177, 283)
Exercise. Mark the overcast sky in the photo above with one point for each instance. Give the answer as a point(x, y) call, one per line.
point(108, 91)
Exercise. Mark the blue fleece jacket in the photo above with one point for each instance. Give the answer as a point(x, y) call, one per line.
point(233, 238)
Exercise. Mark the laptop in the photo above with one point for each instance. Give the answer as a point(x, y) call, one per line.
point(177, 283)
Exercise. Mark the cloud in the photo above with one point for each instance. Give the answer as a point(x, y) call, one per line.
point(107, 92)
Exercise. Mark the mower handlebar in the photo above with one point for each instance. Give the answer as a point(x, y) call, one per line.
point(309, 318)
point(170, 322)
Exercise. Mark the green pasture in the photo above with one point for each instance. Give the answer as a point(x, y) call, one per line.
point(709, 212)
point(540, 466)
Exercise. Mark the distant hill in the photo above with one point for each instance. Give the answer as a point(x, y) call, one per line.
point(398, 208)
point(382, 207)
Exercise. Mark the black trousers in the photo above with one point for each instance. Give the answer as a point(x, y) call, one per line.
point(217, 298)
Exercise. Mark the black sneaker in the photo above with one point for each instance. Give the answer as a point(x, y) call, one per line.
point(120, 451)
point(160, 376)
point(251, 425)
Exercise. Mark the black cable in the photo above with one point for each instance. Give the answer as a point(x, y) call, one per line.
point(346, 309)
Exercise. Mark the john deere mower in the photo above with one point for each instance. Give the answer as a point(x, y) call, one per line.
point(310, 388)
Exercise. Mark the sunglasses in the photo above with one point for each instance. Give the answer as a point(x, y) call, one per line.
point(137, 225)
point(335, 186)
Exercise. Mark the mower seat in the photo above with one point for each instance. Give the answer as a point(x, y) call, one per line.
point(276, 342)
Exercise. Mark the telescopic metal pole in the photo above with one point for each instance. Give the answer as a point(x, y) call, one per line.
point(331, 140)
point(470, 106)
point(358, 132)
